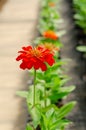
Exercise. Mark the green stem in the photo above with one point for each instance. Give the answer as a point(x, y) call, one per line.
point(45, 103)
point(34, 87)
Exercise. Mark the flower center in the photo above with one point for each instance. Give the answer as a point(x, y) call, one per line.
point(36, 52)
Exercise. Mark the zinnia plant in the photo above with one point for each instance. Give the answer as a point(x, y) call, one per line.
point(35, 57)
point(43, 96)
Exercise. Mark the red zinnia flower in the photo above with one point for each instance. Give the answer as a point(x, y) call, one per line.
point(35, 57)
point(50, 34)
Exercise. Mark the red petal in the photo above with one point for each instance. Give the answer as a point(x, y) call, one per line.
point(29, 65)
point(49, 59)
point(19, 57)
point(36, 63)
point(43, 67)
point(23, 65)
point(27, 48)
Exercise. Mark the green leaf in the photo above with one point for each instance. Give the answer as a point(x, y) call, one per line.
point(33, 110)
point(23, 94)
point(63, 81)
point(78, 16)
point(60, 92)
point(49, 107)
point(36, 115)
point(61, 113)
point(30, 96)
point(28, 127)
point(81, 48)
point(49, 112)
point(59, 124)
point(67, 89)
point(65, 110)
point(44, 122)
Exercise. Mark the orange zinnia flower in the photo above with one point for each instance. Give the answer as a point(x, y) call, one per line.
point(49, 46)
point(52, 4)
point(50, 34)
point(35, 57)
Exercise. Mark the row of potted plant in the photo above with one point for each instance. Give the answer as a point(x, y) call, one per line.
point(80, 19)
point(42, 59)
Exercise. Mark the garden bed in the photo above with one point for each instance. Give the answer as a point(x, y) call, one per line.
point(47, 100)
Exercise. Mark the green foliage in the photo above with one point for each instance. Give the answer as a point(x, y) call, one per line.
point(28, 127)
point(52, 118)
point(80, 13)
point(81, 48)
point(53, 80)
point(60, 93)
